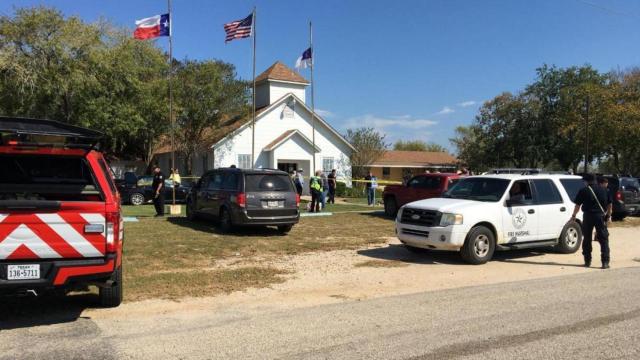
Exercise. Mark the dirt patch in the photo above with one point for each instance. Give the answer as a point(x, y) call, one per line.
point(195, 283)
point(173, 257)
point(381, 264)
point(627, 222)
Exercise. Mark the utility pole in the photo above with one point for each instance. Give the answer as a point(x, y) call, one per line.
point(173, 128)
point(586, 137)
point(253, 93)
point(313, 109)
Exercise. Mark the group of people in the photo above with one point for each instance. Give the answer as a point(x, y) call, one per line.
point(321, 186)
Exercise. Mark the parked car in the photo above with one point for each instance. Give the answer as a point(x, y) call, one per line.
point(625, 194)
point(242, 197)
point(419, 187)
point(137, 190)
point(60, 218)
point(481, 214)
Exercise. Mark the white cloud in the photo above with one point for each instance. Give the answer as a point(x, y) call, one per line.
point(445, 110)
point(324, 113)
point(467, 103)
point(383, 123)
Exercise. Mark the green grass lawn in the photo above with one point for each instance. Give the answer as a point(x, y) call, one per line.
point(149, 211)
point(172, 257)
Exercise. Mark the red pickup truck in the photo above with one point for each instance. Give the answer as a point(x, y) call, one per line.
point(419, 187)
point(60, 217)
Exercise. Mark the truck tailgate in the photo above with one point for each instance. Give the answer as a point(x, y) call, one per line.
point(74, 231)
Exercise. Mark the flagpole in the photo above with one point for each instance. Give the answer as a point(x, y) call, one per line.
point(253, 93)
point(173, 128)
point(313, 110)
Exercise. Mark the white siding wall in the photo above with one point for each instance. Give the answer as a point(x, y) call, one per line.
point(273, 124)
point(278, 90)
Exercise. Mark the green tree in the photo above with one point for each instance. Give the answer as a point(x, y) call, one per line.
point(206, 92)
point(91, 75)
point(370, 145)
point(418, 145)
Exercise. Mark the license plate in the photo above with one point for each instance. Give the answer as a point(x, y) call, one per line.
point(272, 203)
point(23, 272)
point(632, 209)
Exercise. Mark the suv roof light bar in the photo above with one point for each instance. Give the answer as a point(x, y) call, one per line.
point(26, 131)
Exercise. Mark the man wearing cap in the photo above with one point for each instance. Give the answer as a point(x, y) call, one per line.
point(596, 208)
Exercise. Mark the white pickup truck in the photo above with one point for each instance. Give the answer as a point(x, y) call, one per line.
point(481, 214)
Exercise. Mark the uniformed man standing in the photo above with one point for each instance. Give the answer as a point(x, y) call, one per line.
point(158, 191)
point(596, 208)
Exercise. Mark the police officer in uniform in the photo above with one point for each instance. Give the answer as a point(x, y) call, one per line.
point(596, 208)
point(158, 193)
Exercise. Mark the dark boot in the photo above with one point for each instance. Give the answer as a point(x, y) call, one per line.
point(605, 264)
point(587, 262)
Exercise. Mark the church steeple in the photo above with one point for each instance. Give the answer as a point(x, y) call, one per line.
point(277, 81)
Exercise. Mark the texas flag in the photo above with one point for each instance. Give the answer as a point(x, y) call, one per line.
point(152, 27)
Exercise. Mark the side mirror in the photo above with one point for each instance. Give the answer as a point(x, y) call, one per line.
point(511, 203)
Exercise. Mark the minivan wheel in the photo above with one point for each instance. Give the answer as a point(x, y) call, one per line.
point(191, 215)
point(390, 206)
point(479, 246)
point(226, 224)
point(284, 229)
point(112, 296)
point(570, 238)
point(136, 199)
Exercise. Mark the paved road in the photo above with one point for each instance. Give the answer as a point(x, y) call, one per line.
point(588, 316)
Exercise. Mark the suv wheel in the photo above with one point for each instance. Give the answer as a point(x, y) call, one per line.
point(112, 296)
point(479, 246)
point(570, 238)
point(191, 215)
point(226, 224)
point(136, 199)
point(390, 206)
point(284, 229)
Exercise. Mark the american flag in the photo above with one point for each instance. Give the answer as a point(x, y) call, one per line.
point(239, 29)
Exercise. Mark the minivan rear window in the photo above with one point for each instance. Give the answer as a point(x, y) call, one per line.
point(268, 182)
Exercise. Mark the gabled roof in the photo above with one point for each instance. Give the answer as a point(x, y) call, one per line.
point(285, 136)
point(276, 104)
point(415, 158)
point(280, 72)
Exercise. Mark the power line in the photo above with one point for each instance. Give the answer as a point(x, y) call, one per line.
point(608, 10)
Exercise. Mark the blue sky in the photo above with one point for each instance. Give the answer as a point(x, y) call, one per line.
point(412, 69)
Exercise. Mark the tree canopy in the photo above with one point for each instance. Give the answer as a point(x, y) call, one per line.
point(418, 145)
point(96, 75)
point(370, 145)
point(548, 123)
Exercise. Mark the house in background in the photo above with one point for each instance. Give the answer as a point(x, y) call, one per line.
point(398, 165)
point(283, 133)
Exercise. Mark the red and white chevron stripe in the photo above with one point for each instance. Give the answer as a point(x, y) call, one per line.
point(50, 236)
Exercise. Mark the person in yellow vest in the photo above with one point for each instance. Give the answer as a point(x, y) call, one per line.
point(315, 186)
point(175, 177)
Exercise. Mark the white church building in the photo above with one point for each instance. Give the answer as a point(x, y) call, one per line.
point(284, 133)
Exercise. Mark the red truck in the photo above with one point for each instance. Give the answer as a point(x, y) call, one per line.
point(60, 218)
point(419, 187)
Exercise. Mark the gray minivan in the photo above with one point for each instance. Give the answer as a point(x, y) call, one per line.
point(239, 197)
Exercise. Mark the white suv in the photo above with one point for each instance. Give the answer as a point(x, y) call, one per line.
point(483, 213)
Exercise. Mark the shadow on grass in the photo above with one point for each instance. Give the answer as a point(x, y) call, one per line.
point(210, 226)
point(436, 257)
point(47, 309)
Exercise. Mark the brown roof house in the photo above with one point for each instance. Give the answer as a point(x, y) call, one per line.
point(398, 165)
point(284, 135)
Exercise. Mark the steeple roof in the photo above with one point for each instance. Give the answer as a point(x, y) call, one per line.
point(280, 72)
